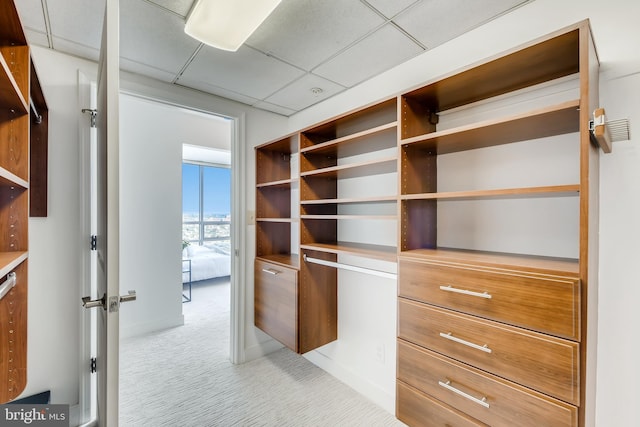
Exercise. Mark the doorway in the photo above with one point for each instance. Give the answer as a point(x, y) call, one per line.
point(206, 227)
point(150, 172)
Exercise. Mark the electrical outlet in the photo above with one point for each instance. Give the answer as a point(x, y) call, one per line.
point(380, 352)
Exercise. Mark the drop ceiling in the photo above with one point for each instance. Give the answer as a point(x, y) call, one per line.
point(305, 52)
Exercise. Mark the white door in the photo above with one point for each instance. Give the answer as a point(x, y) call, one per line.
point(108, 297)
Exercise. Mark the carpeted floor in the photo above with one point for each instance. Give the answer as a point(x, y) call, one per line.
point(183, 377)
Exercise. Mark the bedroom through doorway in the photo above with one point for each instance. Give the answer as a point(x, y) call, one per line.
point(206, 235)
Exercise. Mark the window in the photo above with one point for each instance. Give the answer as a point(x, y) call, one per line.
point(206, 206)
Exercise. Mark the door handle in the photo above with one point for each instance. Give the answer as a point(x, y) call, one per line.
point(114, 302)
point(131, 296)
point(87, 302)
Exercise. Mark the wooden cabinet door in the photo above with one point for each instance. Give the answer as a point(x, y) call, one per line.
point(276, 302)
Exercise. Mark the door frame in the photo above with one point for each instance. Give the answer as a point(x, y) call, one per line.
point(169, 96)
point(161, 93)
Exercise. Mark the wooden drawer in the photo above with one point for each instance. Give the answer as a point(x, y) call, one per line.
point(276, 302)
point(415, 408)
point(545, 363)
point(545, 303)
point(485, 397)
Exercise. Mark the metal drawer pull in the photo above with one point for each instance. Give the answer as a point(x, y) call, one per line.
point(449, 387)
point(448, 288)
point(271, 271)
point(8, 284)
point(448, 336)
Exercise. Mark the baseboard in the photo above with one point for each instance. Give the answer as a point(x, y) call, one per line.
point(363, 386)
point(261, 349)
point(143, 328)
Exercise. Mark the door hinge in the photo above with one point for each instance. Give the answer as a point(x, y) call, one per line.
point(94, 242)
point(93, 365)
point(93, 113)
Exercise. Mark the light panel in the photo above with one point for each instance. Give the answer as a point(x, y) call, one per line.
point(227, 24)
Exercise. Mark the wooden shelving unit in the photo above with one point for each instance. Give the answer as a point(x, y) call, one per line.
point(18, 84)
point(473, 184)
point(274, 184)
point(526, 292)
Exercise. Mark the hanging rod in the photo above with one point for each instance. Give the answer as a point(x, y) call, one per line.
point(349, 267)
point(37, 116)
point(8, 284)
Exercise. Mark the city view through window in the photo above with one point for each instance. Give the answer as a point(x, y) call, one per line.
point(206, 206)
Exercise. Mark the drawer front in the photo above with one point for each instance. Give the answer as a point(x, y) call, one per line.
point(276, 302)
point(482, 396)
point(415, 408)
point(545, 363)
point(549, 304)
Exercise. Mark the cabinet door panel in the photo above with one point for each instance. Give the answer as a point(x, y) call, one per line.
point(276, 302)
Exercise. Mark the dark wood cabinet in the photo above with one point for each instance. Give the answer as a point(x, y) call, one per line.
point(23, 137)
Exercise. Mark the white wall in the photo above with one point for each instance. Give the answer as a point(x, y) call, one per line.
point(618, 345)
point(151, 138)
point(619, 293)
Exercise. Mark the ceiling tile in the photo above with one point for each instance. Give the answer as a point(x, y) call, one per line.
point(307, 32)
point(247, 71)
point(153, 36)
point(31, 14)
point(181, 7)
point(36, 38)
point(145, 70)
point(390, 8)
point(274, 108)
point(299, 95)
point(434, 22)
point(76, 22)
point(205, 86)
point(76, 49)
point(379, 52)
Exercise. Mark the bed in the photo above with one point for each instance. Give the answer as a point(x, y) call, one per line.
point(206, 263)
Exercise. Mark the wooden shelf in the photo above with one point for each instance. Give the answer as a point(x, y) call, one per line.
point(283, 220)
point(9, 179)
point(283, 183)
point(385, 253)
point(540, 61)
point(10, 260)
point(286, 260)
point(382, 199)
point(554, 120)
point(350, 124)
point(336, 146)
point(505, 261)
point(352, 170)
point(20, 143)
point(350, 217)
point(11, 97)
point(528, 192)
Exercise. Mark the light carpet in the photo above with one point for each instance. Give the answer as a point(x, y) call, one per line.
point(183, 377)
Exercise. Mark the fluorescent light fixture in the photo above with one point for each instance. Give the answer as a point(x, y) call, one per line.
point(226, 24)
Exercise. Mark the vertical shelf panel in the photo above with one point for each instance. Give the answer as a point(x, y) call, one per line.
point(15, 169)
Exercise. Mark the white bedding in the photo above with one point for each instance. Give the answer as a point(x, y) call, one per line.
point(205, 263)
